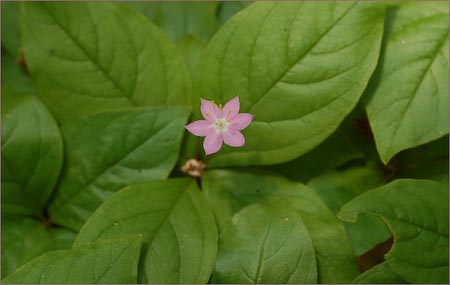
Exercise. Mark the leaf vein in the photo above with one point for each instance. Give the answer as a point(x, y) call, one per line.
point(91, 59)
point(300, 57)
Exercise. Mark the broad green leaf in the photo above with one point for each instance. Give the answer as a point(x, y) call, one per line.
point(25, 238)
point(227, 9)
point(417, 214)
point(181, 18)
point(333, 152)
point(299, 67)
point(32, 153)
point(88, 57)
point(108, 151)
point(113, 261)
point(380, 274)
point(180, 236)
point(266, 244)
point(409, 92)
point(14, 78)
point(10, 28)
point(429, 161)
point(338, 187)
point(229, 191)
point(192, 49)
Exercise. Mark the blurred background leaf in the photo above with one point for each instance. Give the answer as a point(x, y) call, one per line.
point(10, 28)
point(24, 239)
point(32, 154)
point(181, 18)
point(336, 188)
point(104, 262)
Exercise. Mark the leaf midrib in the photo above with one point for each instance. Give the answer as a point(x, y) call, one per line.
point(113, 262)
point(300, 57)
point(128, 153)
point(414, 92)
point(90, 58)
point(261, 251)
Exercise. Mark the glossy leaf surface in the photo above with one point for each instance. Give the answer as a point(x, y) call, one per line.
point(299, 67)
point(177, 226)
point(409, 103)
point(108, 151)
point(266, 244)
point(230, 191)
point(106, 262)
point(87, 57)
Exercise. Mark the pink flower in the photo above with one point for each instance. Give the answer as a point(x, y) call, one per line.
point(220, 125)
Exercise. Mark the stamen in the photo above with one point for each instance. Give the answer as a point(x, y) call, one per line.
point(229, 111)
point(220, 106)
point(212, 102)
point(207, 114)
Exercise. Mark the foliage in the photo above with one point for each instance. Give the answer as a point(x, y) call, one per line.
point(348, 147)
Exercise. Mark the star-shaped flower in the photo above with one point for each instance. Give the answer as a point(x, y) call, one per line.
point(220, 125)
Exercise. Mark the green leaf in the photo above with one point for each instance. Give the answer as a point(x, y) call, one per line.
point(417, 214)
point(180, 237)
point(105, 262)
point(108, 151)
point(88, 57)
point(229, 191)
point(338, 187)
point(32, 153)
point(192, 49)
point(182, 18)
point(10, 28)
point(380, 274)
point(299, 67)
point(25, 238)
point(266, 244)
point(227, 9)
point(409, 93)
point(333, 152)
point(14, 77)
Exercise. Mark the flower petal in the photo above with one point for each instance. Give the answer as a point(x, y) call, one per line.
point(210, 111)
point(233, 138)
point(231, 108)
point(212, 142)
point(241, 121)
point(199, 128)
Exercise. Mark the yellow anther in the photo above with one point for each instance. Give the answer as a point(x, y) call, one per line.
point(207, 114)
point(220, 106)
point(212, 102)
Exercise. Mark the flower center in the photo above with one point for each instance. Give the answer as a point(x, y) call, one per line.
point(221, 125)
